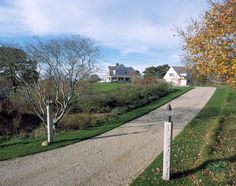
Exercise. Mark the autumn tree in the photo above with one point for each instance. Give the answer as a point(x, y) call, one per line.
point(210, 44)
point(62, 63)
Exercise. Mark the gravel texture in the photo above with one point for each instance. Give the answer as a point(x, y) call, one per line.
point(113, 158)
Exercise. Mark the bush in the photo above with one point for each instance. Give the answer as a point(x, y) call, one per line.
point(13, 122)
point(5, 126)
point(9, 118)
point(75, 121)
point(19, 102)
point(128, 96)
point(118, 110)
point(92, 107)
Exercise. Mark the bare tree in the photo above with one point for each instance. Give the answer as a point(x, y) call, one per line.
point(63, 63)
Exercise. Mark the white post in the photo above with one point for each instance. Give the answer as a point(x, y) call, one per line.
point(167, 150)
point(49, 122)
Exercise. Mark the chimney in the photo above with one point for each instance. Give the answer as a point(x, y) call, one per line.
point(117, 64)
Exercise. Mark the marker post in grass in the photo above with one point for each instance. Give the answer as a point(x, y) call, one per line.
point(168, 128)
point(49, 120)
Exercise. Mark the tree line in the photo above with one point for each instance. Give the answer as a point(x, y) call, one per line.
point(156, 72)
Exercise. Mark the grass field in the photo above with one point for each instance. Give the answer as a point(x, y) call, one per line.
point(20, 147)
point(204, 152)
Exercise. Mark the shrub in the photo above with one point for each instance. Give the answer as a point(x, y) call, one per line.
point(75, 121)
point(128, 96)
point(92, 107)
point(19, 102)
point(118, 110)
point(9, 118)
point(13, 122)
point(5, 126)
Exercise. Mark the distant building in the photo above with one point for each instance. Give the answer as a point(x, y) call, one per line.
point(120, 73)
point(178, 76)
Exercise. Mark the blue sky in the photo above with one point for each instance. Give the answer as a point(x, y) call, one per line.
point(138, 33)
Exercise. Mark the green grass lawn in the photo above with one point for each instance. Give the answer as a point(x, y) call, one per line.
point(204, 152)
point(20, 147)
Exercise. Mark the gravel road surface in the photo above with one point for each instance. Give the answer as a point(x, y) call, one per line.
point(113, 158)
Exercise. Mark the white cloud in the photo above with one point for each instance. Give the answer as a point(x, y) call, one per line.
point(140, 32)
point(125, 25)
point(11, 20)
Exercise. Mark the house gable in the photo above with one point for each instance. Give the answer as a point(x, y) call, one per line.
point(171, 74)
point(177, 76)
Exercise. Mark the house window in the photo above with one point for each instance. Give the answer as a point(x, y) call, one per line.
point(114, 71)
point(171, 74)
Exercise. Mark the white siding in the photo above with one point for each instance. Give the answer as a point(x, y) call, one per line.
point(172, 77)
point(108, 79)
point(183, 82)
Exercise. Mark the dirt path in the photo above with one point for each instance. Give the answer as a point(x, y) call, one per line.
point(113, 158)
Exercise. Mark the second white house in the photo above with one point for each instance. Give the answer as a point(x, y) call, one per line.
point(178, 76)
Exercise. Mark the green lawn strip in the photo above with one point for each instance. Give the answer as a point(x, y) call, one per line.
point(186, 147)
point(221, 160)
point(214, 128)
point(21, 147)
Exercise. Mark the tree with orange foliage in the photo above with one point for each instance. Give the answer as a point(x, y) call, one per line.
point(210, 44)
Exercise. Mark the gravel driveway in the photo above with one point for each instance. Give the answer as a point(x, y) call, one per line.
point(113, 158)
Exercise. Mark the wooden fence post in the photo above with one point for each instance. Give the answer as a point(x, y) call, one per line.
point(49, 120)
point(168, 128)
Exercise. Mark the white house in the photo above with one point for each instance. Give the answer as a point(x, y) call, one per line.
point(120, 73)
point(178, 76)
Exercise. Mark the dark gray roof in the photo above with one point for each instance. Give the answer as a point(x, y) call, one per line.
point(180, 70)
point(115, 67)
point(129, 68)
point(120, 65)
point(112, 67)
